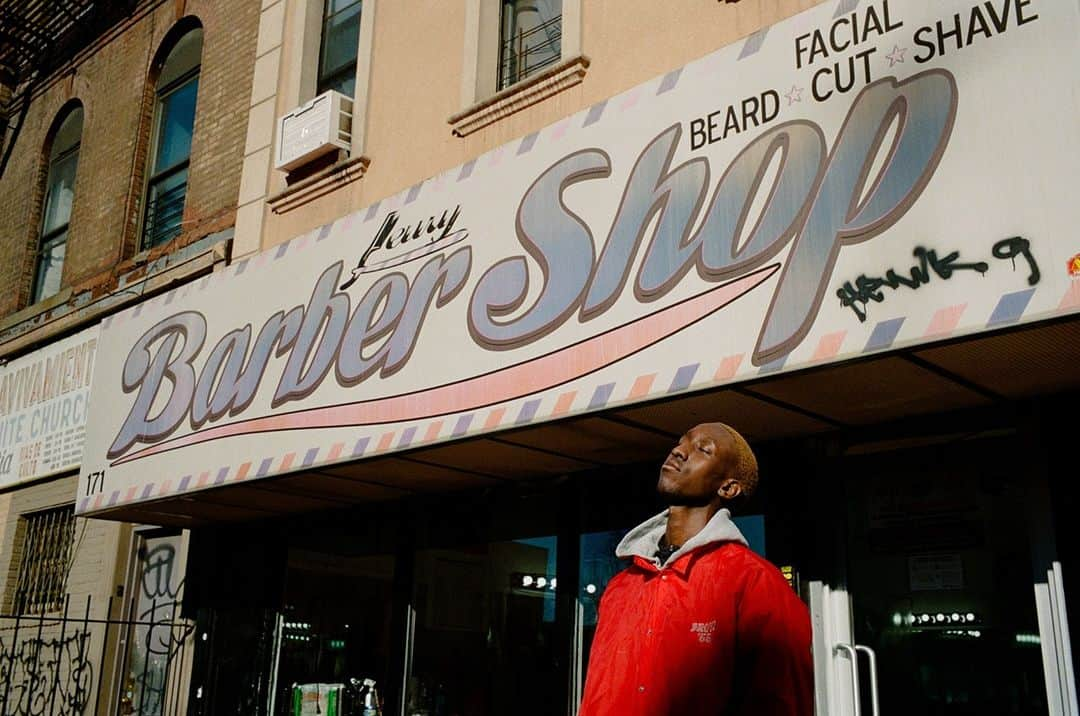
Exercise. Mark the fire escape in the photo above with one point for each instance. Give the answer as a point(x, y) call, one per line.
point(37, 38)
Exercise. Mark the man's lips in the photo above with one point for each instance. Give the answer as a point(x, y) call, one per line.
point(668, 465)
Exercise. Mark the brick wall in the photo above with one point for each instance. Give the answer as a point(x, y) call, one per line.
point(114, 81)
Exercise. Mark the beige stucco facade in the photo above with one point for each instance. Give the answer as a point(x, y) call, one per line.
point(425, 72)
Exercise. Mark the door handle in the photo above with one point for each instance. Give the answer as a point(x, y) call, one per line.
point(851, 652)
point(871, 659)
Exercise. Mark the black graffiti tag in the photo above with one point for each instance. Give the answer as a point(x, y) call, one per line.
point(858, 294)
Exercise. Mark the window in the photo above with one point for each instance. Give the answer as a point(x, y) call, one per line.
point(59, 194)
point(516, 53)
point(340, 44)
point(174, 120)
point(46, 554)
point(530, 38)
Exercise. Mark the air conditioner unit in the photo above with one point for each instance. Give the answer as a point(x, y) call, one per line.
point(321, 125)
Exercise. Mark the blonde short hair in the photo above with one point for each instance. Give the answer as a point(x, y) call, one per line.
point(745, 469)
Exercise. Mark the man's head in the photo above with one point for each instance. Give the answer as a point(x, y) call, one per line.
point(711, 464)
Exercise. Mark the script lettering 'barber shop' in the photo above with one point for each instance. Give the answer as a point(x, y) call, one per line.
point(818, 202)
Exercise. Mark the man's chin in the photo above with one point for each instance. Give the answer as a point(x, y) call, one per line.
point(673, 498)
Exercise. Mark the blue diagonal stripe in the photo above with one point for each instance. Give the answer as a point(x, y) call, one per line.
point(413, 193)
point(601, 395)
point(466, 171)
point(1010, 307)
point(462, 425)
point(527, 143)
point(670, 80)
point(595, 113)
point(360, 447)
point(528, 412)
point(883, 335)
point(845, 6)
point(683, 377)
point(407, 436)
point(264, 467)
point(773, 366)
point(753, 43)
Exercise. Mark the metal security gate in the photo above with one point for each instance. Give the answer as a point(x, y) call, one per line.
point(77, 660)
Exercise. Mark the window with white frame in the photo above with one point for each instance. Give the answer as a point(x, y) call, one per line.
point(339, 46)
point(530, 38)
point(47, 539)
point(59, 196)
point(174, 121)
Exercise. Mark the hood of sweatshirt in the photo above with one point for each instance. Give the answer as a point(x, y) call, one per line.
point(643, 540)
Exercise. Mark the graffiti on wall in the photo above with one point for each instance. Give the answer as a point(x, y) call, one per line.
point(40, 675)
point(159, 638)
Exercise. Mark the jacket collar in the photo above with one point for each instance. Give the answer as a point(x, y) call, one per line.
point(641, 542)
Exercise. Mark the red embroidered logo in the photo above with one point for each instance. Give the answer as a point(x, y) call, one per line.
point(1074, 265)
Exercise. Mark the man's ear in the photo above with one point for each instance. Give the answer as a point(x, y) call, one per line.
point(729, 489)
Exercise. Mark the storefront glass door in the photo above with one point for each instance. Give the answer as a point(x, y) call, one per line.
point(939, 570)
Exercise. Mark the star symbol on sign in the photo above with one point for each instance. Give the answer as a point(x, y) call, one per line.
point(897, 55)
point(795, 95)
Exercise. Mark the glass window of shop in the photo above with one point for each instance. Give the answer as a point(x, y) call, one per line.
point(486, 628)
point(335, 624)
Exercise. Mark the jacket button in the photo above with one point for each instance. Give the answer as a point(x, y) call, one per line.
point(663, 577)
point(641, 689)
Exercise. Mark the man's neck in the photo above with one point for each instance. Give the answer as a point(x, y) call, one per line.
point(686, 521)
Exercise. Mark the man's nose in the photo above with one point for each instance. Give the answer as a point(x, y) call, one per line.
point(678, 452)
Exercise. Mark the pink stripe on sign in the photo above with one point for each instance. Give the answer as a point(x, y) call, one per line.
point(945, 320)
point(433, 430)
point(1071, 299)
point(97, 500)
point(385, 442)
point(642, 385)
point(728, 367)
point(494, 418)
point(629, 101)
point(202, 479)
point(242, 471)
point(166, 487)
point(287, 461)
point(499, 386)
point(560, 129)
point(564, 403)
point(335, 452)
point(829, 345)
point(130, 495)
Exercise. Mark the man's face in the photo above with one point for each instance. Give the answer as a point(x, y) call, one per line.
point(695, 467)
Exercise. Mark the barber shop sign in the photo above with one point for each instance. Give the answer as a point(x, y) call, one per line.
point(860, 177)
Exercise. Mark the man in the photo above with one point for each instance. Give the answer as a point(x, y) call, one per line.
point(698, 624)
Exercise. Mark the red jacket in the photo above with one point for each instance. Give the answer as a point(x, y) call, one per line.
point(716, 631)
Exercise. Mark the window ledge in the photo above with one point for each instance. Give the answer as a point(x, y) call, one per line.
point(518, 96)
point(324, 182)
